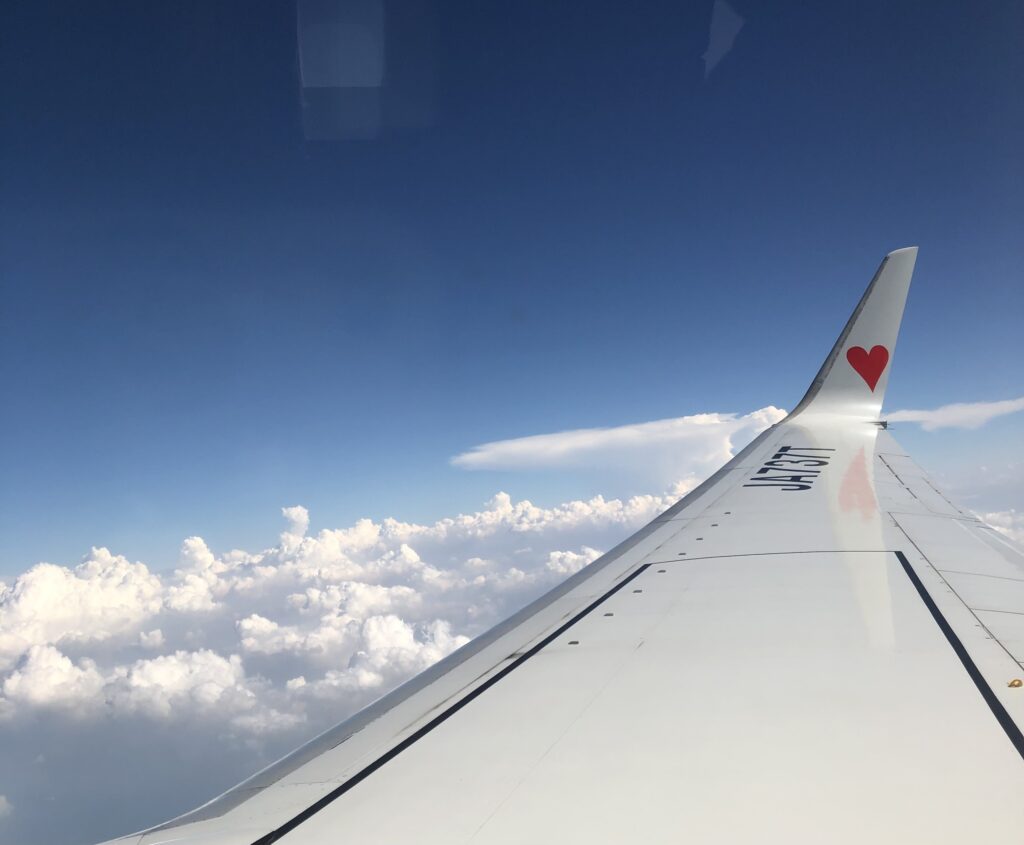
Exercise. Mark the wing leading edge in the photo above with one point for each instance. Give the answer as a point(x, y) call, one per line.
point(813, 645)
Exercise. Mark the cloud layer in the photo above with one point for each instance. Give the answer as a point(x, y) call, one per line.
point(375, 602)
point(133, 676)
point(250, 652)
point(968, 415)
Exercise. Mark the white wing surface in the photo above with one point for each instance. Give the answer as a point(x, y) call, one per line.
point(814, 646)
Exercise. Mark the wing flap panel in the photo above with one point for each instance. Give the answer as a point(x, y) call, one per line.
point(758, 677)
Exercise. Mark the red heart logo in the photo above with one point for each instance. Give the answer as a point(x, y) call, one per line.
point(870, 365)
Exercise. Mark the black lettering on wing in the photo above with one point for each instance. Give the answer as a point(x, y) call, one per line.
point(788, 469)
point(802, 477)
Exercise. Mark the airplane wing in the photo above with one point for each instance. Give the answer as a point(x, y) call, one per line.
point(814, 646)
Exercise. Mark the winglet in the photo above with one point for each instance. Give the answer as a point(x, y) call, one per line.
point(853, 379)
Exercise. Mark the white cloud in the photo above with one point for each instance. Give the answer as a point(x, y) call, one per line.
point(569, 562)
point(968, 415)
point(187, 683)
point(321, 617)
point(689, 446)
point(264, 636)
point(1010, 523)
point(198, 580)
point(6, 807)
point(103, 597)
point(390, 650)
point(47, 678)
point(251, 653)
point(298, 525)
point(183, 685)
point(151, 639)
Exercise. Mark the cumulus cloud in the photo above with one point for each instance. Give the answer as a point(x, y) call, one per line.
point(45, 678)
point(183, 683)
point(569, 562)
point(391, 651)
point(968, 415)
point(253, 652)
point(249, 639)
point(103, 597)
point(151, 639)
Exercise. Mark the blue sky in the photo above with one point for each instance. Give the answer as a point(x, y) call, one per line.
point(207, 316)
point(559, 218)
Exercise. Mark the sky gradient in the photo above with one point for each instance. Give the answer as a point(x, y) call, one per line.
point(206, 315)
point(559, 217)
